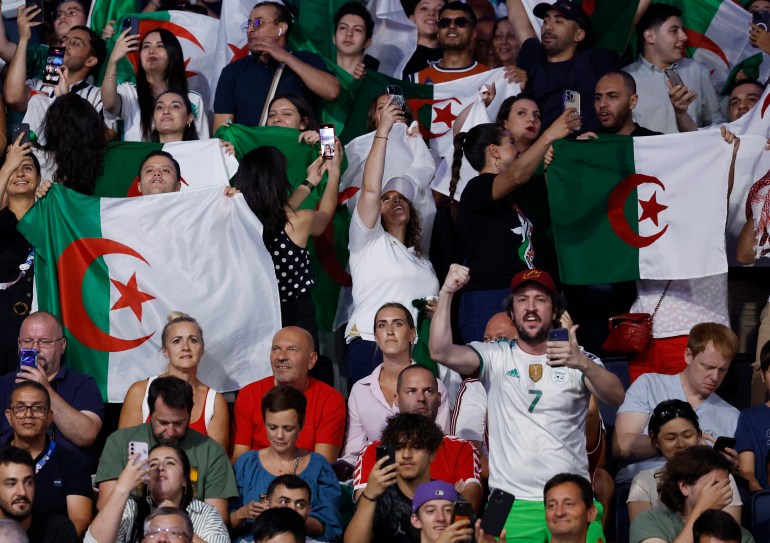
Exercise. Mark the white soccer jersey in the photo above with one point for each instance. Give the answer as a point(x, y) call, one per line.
point(536, 418)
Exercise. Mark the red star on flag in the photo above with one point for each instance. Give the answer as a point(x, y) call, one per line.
point(445, 115)
point(238, 52)
point(131, 296)
point(651, 208)
point(187, 72)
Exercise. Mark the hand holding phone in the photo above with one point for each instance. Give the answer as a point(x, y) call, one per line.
point(389, 451)
point(131, 23)
point(20, 128)
point(724, 442)
point(673, 77)
point(53, 63)
point(558, 334)
point(28, 358)
point(396, 96)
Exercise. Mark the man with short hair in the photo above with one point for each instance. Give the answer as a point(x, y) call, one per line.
point(290, 491)
point(743, 96)
point(159, 173)
point(383, 513)
point(353, 29)
point(168, 524)
point(562, 60)
point(710, 350)
point(76, 402)
point(536, 388)
point(456, 34)
point(171, 401)
point(456, 460)
point(65, 477)
point(291, 358)
point(661, 34)
point(614, 101)
point(244, 85)
point(279, 525)
point(17, 496)
point(569, 508)
point(715, 526)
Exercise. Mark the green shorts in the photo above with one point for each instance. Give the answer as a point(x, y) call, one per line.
point(526, 523)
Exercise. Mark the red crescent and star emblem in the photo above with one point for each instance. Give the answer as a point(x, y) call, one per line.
point(616, 204)
point(72, 267)
point(443, 114)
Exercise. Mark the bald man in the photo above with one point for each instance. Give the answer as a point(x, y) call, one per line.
point(500, 326)
point(292, 357)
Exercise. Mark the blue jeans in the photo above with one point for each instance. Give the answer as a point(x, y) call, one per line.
point(476, 308)
point(362, 357)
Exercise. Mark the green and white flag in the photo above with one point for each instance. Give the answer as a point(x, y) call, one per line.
point(113, 269)
point(640, 208)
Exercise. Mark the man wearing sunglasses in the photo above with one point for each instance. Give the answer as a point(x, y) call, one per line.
point(456, 35)
point(244, 86)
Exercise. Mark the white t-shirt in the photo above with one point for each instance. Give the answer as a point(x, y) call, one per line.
point(132, 116)
point(469, 418)
point(383, 270)
point(536, 418)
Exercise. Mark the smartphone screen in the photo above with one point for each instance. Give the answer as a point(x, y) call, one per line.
point(52, 64)
point(397, 95)
point(327, 141)
point(18, 128)
point(28, 357)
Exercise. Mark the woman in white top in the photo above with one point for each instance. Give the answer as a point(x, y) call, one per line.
point(673, 427)
point(160, 68)
point(386, 261)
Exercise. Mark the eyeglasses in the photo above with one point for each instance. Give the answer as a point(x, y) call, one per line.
point(28, 342)
point(173, 534)
point(255, 24)
point(460, 22)
point(38, 411)
point(71, 12)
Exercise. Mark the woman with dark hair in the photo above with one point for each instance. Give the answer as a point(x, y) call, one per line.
point(183, 346)
point(173, 119)
point(490, 216)
point(283, 409)
point(371, 399)
point(673, 427)
point(160, 68)
point(380, 102)
point(166, 474)
point(293, 111)
point(505, 44)
point(73, 143)
point(19, 179)
point(692, 482)
point(261, 178)
point(386, 260)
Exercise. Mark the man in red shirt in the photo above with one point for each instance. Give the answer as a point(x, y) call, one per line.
point(292, 357)
point(456, 461)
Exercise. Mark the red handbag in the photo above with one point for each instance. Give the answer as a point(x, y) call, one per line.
point(630, 333)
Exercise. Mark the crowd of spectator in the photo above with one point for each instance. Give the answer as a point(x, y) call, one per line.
point(494, 430)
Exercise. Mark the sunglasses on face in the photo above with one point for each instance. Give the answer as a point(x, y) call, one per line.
point(460, 22)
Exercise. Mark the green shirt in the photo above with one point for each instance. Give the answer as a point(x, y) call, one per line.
point(664, 525)
point(211, 473)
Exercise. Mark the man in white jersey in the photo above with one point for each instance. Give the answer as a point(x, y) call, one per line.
point(538, 394)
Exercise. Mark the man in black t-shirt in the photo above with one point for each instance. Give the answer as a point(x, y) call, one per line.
point(384, 509)
point(563, 61)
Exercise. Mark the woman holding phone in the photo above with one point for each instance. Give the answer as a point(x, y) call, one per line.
point(160, 68)
point(283, 409)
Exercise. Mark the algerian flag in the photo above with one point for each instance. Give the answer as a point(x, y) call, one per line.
point(638, 208)
point(395, 36)
point(717, 35)
point(202, 163)
point(104, 11)
point(113, 268)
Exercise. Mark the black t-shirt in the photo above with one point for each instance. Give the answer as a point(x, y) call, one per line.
point(640, 131)
point(392, 516)
point(547, 81)
point(51, 528)
point(496, 235)
point(63, 474)
point(421, 58)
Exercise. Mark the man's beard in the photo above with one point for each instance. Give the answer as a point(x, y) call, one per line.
point(162, 440)
point(14, 516)
point(531, 339)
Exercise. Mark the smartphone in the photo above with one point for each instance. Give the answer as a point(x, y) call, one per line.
point(327, 141)
point(18, 128)
point(463, 510)
point(138, 447)
point(761, 19)
point(36, 4)
point(396, 95)
point(389, 451)
point(133, 24)
point(496, 513)
point(723, 443)
point(28, 357)
point(572, 99)
point(673, 77)
point(52, 64)
point(558, 334)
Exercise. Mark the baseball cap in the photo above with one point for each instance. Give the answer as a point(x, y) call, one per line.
point(568, 10)
point(533, 276)
point(433, 490)
point(403, 184)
